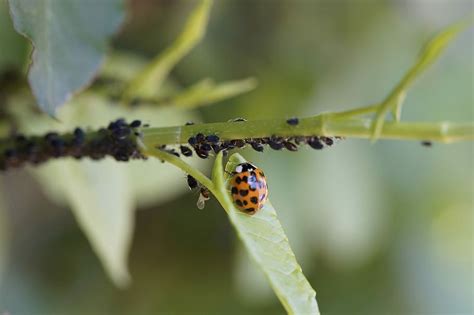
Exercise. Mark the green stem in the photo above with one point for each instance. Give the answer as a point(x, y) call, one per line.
point(321, 125)
point(356, 112)
point(176, 161)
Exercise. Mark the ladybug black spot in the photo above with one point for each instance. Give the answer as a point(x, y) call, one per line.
point(254, 200)
point(243, 192)
point(250, 210)
point(234, 191)
point(245, 202)
point(239, 203)
point(238, 180)
point(245, 179)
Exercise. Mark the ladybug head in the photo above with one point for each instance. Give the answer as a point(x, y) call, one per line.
point(244, 167)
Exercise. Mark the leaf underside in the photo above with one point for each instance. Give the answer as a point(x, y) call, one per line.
point(69, 40)
point(267, 244)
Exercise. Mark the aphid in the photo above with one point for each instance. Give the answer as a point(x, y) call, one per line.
point(213, 139)
point(275, 145)
point(186, 151)
point(257, 146)
point(202, 154)
point(136, 124)
point(290, 146)
point(292, 121)
point(216, 148)
point(315, 143)
point(200, 138)
point(238, 119)
point(192, 182)
point(79, 136)
point(426, 143)
point(206, 147)
point(328, 141)
point(248, 188)
point(192, 141)
point(203, 197)
point(237, 143)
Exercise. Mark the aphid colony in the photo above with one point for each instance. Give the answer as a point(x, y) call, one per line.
point(249, 188)
point(116, 140)
point(205, 145)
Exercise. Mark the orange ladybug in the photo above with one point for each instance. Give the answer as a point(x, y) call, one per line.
point(249, 188)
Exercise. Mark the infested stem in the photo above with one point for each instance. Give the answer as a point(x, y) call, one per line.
point(321, 125)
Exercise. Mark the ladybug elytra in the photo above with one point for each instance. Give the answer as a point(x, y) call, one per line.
point(249, 188)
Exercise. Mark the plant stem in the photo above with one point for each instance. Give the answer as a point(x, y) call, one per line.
point(321, 125)
point(176, 161)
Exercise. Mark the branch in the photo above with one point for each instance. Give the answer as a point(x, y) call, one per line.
point(324, 125)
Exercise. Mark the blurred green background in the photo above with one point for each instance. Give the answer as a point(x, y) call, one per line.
point(384, 228)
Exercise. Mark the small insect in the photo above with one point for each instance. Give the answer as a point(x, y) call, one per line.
point(292, 121)
point(426, 143)
point(204, 194)
point(203, 197)
point(238, 119)
point(135, 124)
point(192, 182)
point(249, 188)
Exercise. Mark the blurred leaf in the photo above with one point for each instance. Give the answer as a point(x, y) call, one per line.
point(70, 40)
point(149, 81)
point(3, 236)
point(98, 192)
point(101, 200)
point(428, 55)
point(13, 48)
point(206, 92)
point(266, 242)
point(94, 111)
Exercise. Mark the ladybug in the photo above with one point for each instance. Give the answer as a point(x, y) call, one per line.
point(249, 188)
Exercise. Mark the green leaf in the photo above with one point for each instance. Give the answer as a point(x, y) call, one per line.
point(148, 82)
point(266, 242)
point(102, 203)
point(69, 39)
point(99, 193)
point(13, 47)
point(428, 55)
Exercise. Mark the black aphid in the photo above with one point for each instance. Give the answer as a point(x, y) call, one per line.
point(192, 182)
point(136, 124)
point(186, 151)
point(293, 121)
point(212, 139)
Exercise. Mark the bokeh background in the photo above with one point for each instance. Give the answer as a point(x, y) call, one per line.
point(378, 228)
